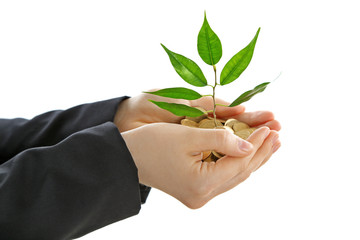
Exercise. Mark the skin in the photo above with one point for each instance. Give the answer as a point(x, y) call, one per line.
point(168, 155)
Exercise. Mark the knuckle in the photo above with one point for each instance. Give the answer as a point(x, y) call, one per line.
point(223, 138)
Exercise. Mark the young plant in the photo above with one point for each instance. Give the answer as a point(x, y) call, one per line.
point(210, 50)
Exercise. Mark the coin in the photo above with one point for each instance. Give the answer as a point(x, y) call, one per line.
point(252, 129)
point(234, 126)
point(230, 122)
point(206, 154)
point(219, 119)
point(189, 123)
point(207, 123)
point(209, 158)
point(244, 133)
point(213, 157)
point(218, 155)
point(240, 126)
point(226, 128)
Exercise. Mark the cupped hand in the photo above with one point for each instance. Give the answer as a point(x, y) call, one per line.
point(138, 111)
point(168, 157)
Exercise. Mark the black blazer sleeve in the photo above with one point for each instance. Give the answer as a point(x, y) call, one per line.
point(52, 127)
point(80, 182)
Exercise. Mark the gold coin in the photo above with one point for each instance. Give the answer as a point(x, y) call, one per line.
point(240, 126)
point(208, 159)
point(218, 155)
point(244, 133)
point(252, 130)
point(198, 119)
point(213, 157)
point(230, 122)
point(189, 123)
point(206, 154)
point(207, 123)
point(226, 128)
point(218, 119)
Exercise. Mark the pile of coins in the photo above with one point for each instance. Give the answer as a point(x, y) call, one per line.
point(234, 126)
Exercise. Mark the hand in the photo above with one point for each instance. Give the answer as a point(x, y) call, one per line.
point(168, 157)
point(138, 111)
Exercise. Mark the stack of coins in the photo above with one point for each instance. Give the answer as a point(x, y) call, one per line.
point(234, 126)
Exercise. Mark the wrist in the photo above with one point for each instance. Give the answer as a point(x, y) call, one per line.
point(120, 115)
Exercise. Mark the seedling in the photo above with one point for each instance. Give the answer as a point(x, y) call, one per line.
point(210, 50)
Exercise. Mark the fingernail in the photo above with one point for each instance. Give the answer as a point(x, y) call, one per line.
point(244, 145)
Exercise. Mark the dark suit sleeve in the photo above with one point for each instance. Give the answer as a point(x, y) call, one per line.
point(82, 182)
point(17, 135)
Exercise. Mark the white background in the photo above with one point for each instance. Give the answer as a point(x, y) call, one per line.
point(58, 54)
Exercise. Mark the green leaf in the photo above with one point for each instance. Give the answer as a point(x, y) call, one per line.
point(179, 93)
point(187, 69)
point(179, 109)
point(238, 63)
point(208, 44)
point(246, 96)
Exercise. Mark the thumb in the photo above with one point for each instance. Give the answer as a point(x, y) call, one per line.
point(221, 141)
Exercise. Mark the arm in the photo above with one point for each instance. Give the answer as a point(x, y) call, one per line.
point(49, 128)
point(64, 191)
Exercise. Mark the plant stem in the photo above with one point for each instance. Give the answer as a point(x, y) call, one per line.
point(213, 96)
point(223, 105)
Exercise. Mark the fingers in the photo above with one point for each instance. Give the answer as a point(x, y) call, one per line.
point(275, 147)
point(229, 112)
point(221, 111)
point(273, 125)
point(228, 167)
point(260, 119)
point(219, 140)
point(262, 154)
point(206, 102)
point(256, 118)
point(258, 137)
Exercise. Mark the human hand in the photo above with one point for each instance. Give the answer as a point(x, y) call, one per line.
point(138, 111)
point(168, 157)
